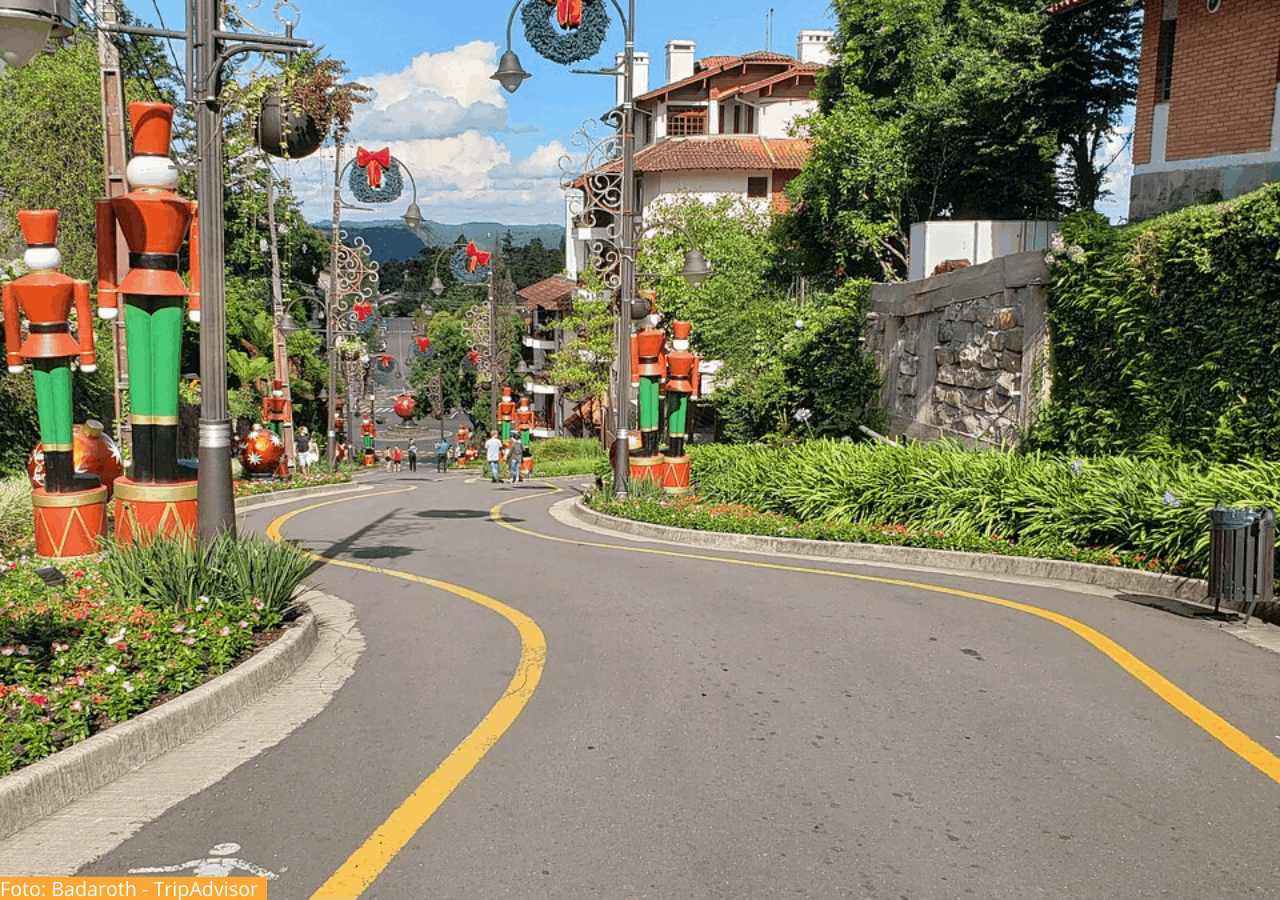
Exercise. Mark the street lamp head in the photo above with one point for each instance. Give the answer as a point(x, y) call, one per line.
point(287, 325)
point(437, 286)
point(696, 268)
point(510, 73)
point(413, 215)
point(25, 26)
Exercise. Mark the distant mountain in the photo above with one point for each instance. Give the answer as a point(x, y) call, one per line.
point(390, 239)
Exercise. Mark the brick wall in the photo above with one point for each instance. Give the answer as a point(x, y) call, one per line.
point(1225, 68)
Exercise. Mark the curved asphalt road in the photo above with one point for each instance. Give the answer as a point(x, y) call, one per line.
point(703, 728)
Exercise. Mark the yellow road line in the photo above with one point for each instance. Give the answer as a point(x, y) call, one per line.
point(1213, 724)
point(372, 857)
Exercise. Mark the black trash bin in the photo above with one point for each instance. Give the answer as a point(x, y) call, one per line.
point(1242, 548)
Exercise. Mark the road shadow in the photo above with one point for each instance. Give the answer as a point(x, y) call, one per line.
point(452, 514)
point(383, 552)
point(1179, 607)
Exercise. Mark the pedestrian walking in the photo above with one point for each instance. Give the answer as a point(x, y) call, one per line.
point(515, 456)
point(442, 455)
point(413, 456)
point(386, 458)
point(300, 448)
point(396, 457)
point(313, 452)
point(493, 455)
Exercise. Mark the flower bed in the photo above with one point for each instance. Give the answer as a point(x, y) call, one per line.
point(128, 630)
point(299, 480)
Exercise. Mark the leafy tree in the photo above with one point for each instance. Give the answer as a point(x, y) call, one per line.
point(947, 108)
point(581, 365)
point(451, 344)
point(1092, 52)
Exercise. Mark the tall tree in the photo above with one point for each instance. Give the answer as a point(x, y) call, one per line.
point(1092, 54)
point(942, 109)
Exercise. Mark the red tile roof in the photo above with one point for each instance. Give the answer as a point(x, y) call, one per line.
point(550, 293)
point(715, 65)
point(716, 151)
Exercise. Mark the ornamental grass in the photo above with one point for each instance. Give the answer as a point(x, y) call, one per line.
point(1136, 511)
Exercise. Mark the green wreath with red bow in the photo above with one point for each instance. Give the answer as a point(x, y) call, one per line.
point(583, 24)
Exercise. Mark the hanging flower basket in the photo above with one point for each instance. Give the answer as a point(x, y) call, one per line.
point(282, 132)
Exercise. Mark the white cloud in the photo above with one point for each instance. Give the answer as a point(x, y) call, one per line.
point(443, 117)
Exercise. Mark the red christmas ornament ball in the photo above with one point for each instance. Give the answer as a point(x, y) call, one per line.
point(94, 453)
point(260, 451)
point(406, 406)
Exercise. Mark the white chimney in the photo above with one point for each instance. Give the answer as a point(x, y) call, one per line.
point(639, 75)
point(679, 60)
point(814, 47)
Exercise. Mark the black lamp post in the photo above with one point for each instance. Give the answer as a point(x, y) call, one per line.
point(511, 75)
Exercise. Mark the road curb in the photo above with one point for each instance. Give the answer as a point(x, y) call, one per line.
point(31, 793)
point(1188, 590)
point(276, 497)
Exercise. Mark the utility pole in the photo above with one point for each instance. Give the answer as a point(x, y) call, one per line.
point(279, 353)
point(115, 157)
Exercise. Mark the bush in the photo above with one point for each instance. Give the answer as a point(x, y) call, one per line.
point(1149, 510)
point(1163, 331)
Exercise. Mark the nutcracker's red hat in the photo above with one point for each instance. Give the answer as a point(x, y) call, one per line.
point(39, 226)
point(151, 123)
point(680, 330)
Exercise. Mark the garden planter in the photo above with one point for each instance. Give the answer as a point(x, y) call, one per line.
point(281, 132)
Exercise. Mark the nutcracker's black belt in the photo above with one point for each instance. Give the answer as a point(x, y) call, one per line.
point(48, 328)
point(167, 261)
point(648, 359)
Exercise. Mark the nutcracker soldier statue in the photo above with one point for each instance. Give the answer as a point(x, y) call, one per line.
point(649, 367)
point(158, 496)
point(682, 387)
point(70, 510)
point(506, 415)
point(525, 420)
point(369, 431)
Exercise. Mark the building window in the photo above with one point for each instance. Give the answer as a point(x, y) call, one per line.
point(758, 186)
point(686, 121)
point(1164, 59)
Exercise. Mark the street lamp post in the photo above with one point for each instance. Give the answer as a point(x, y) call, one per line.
point(412, 219)
point(510, 75)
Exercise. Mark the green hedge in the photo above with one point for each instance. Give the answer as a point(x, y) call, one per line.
point(1139, 506)
point(1165, 333)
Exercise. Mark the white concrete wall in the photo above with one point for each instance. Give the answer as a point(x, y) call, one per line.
point(976, 241)
point(707, 187)
point(680, 58)
point(814, 47)
point(773, 119)
point(573, 250)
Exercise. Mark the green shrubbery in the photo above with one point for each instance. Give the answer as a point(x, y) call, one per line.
point(1165, 333)
point(566, 456)
point(1124, 510)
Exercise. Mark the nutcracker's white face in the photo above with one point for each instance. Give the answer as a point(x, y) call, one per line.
point(677, 344)
point(154, 172)
point(42, 258)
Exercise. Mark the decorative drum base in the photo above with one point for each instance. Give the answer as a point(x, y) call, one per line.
point(675, 475)
point(149, 510)
point(646, 468)
point(69, 524)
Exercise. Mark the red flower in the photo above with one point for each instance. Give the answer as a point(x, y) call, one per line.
point(122, 646)
point(39, 699)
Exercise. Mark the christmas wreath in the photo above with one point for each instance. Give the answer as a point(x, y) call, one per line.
point(392, 185)
point(466, 267)
point(573, 45)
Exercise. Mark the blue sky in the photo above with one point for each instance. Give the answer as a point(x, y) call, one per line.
point(476, 152)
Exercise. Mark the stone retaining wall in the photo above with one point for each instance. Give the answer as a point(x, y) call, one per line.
point(963, 354)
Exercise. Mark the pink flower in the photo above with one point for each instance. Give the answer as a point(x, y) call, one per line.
point(122, 646)
point(244, 624)
point(76, 706)
point(188, 641)
point(6, 650)
point(226, 630)
point(179, 628)
point(39, 700)
point(23, 650)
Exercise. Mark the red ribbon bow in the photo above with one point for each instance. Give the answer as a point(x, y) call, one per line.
point(424, 343)
point(476, 257)
point(373, 163)
point(386, 361)
point(362, 310)
point(568, 12)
